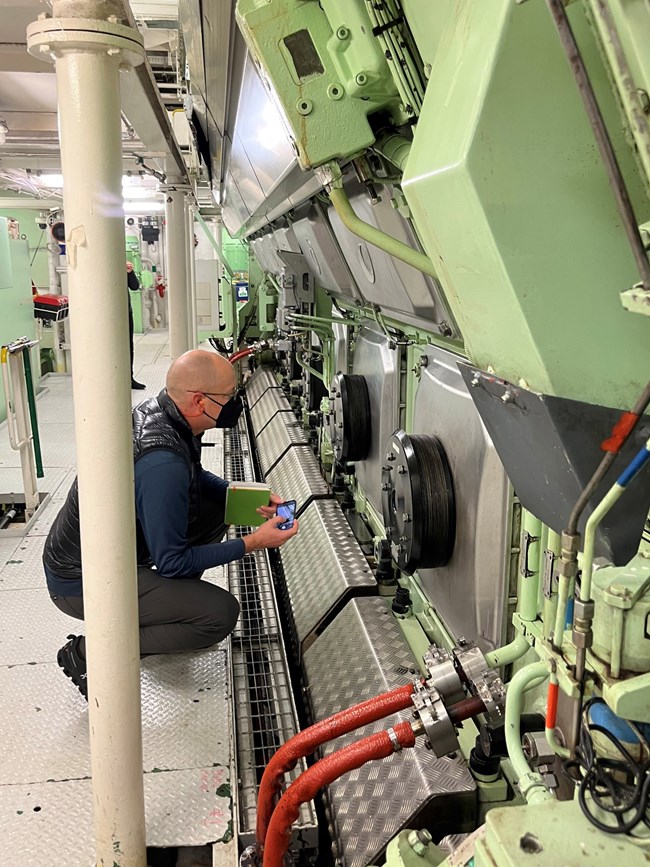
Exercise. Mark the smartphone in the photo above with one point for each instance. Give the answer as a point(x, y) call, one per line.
point(288, 512)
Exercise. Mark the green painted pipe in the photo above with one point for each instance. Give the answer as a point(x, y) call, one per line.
point(376, 237)
point(611, 497)
point(529, 584)
point(310, 369)
point(395, 148)
point(550, 605)
point(274, 283)
point(509, 653)
point(215, 244)
point(31, 400)
point(528, 594)
point(530, 783)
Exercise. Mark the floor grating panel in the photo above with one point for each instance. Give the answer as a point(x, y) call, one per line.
point(265, 713)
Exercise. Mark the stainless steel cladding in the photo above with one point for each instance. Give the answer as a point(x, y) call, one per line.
point(324, 254)
point(468, 592)
point(386, 281)
point(361, 654)
point(263, 170)
point(379, 364)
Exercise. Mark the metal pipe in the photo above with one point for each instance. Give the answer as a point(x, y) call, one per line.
point(509, 653)
point(31, 402)
point(614, 174)
point(582, 624)
point(551, 715)
point(551, 601)
point(372, 235)
point(18, 426)
point(88, 84)
point(602, 509)
point(310, 369)
point(530, 783)
point(55, 289)
point(191, 277)
point(531, 532)
point(177, 271)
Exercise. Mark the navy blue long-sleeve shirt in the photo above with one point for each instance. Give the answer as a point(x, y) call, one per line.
point(162, 483)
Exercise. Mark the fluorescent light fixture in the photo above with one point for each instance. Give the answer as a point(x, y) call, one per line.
point(143, 207)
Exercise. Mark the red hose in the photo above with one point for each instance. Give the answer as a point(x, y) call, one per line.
point(377, 746)
point(551, 705)
point(241, 354)
point(306, 742)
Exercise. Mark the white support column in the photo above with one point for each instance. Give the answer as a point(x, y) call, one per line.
point(191, 275)
point(177, 282)
point(53, 258)
point(88, 55)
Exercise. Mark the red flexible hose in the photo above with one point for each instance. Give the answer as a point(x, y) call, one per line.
point(377, 746)
point(306, 742)
point(551, 705)
point(241, 354)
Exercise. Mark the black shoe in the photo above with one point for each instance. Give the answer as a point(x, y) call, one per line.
point(73, 664)
point(137, 385)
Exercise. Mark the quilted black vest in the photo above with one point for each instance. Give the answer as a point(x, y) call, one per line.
point(157, 424)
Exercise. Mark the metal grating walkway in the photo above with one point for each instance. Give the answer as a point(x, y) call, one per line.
point(265, 713)
point(45, 788)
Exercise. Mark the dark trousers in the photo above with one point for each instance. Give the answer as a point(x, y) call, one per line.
point(130, 334)
point(178, 613)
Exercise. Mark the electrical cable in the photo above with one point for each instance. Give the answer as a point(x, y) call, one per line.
point(38, 247)
point(616, 786)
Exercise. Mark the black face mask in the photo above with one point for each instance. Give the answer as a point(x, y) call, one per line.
point(230, 412)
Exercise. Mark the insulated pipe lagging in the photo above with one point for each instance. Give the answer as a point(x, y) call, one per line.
point(376, 237)
point(306, 742)
point(377, 746)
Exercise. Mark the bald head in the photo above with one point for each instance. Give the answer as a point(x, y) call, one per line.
point(199, 371)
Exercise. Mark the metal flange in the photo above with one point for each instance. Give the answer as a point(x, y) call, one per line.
point(48, 38)
point(350, 420)
point(481, 680)
point(439, 730)
point(443, 675)
point(418, 503)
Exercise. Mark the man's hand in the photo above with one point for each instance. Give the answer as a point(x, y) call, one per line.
point(269, 511)
point(269, 536)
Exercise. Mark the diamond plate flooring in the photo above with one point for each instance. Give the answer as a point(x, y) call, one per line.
point(45, 786)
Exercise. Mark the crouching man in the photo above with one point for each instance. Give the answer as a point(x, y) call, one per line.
point(179, 520)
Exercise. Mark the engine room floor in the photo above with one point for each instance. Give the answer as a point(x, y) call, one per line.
point(45, 787)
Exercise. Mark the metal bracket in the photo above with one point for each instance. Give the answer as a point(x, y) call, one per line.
point(526, 541)
point(548, 576)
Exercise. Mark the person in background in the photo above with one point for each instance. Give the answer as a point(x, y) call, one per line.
point(180, 511)
point(134, 284)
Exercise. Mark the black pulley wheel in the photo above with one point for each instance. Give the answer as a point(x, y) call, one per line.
point(418, 502)
point(349, 418)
